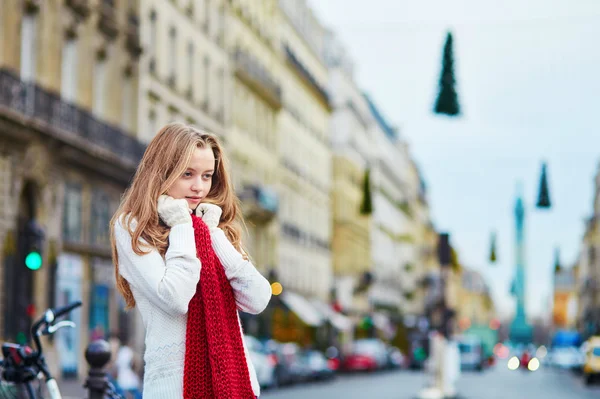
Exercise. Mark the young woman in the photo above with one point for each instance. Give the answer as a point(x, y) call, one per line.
point(179, 259)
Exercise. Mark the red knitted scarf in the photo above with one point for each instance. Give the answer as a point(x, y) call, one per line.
point(215, 364)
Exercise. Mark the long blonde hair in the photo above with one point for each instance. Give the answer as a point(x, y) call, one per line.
point(164, 161)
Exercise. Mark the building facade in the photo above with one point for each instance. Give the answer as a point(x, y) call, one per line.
point(254, 45)
point(306, 159)
point(352, 148)
point(185, 72)
point(564, 309)
point(588, 270)
point(474, 306)
point(68, 148)
point(393, 239)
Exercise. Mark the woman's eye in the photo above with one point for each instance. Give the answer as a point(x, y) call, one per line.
point(187, 174)
point(207, 176)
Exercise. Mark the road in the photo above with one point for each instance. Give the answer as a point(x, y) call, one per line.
point(497, 383)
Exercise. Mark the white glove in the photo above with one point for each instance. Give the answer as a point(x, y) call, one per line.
point(173, 211)
point(210, 214)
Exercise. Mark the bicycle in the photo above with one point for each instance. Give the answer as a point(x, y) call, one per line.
point(23, 365)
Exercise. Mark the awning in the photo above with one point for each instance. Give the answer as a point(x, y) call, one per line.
point(303, 308)
point(338, 320)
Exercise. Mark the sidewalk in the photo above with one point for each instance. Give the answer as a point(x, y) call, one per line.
point(72, 389)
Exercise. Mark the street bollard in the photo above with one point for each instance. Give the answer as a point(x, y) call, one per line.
point(97, 355)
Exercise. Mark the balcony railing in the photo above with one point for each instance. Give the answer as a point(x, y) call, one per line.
point(67, 122)
point(256, 76)
point(308, 77)
point(259, 203)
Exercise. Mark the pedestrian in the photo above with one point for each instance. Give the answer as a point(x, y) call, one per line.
point(127, 379)
point(179, 259)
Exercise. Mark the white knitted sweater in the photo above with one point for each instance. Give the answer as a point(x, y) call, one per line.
point(163, 288)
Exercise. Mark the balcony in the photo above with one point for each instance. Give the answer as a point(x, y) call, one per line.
point(80, 7)
point(107, 20)
point(259, 203)
point(305, 74)
point(45, 111)
point(255, 76)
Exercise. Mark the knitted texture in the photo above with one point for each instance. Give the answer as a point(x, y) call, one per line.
point(215, 364)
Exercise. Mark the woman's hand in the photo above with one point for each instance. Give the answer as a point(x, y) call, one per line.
point(210, 214)
point(173, 211)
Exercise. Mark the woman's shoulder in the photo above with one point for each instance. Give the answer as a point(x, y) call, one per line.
point(126, 222)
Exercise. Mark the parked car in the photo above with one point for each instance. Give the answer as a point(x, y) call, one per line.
point(591, 365)
point(367, 354)
point(395, 358)
point(262, 362)
point(317, 364)
point(471, 353)
point(291, 369)
point(569, 358)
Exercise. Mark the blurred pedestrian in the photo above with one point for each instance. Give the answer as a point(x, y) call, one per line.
point(179, 260)
point(127, 379)
point(115, 343)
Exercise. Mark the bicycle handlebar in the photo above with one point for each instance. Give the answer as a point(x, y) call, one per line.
point(48, 320)
point(58, 312)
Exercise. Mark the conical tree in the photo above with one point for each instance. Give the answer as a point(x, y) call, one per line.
point(557, 265)
point(447, 100)
point(493, 256)
point(366, 207)
point(544, 193)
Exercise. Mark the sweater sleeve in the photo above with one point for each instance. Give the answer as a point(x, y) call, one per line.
point(251, 290)
point(168, 283)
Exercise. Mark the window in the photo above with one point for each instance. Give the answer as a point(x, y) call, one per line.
point(172, 53)
point(190, 67)
point(206, 80)
point(128, 106)
point(221, 91)
point(207, 17)
point(99, 231)
point(221, 29)
point(151, 125)
point(99, 87)
point(151, 46)
point(72, 213)
point(68, 88)
point(28, 47)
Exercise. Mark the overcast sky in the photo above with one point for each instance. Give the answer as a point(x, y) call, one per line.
point(529, 87)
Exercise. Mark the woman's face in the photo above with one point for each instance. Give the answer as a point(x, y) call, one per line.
point(196, 181)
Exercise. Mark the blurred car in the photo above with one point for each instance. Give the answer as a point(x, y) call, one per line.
point(290, 367)
point(395, 358)
point(565, 358)
point(317, 364)
point(262, 362)
point(367, 355)
point(591, 364)
point(471, 353)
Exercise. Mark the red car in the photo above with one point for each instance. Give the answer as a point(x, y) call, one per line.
point(359, 362)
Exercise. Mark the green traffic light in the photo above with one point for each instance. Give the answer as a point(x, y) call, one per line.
point(33, 260)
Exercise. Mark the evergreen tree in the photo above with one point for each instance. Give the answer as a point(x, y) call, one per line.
point(447, 100)
point(366, 207)
point(544, 193)
point(493, 256)
point(557, 265)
